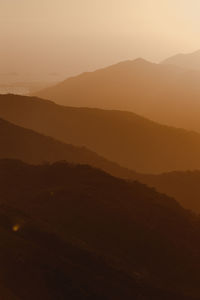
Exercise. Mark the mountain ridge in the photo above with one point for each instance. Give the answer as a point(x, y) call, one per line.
point(25, 109)
point(165, 93)
point(186, 60)
point(131, 141)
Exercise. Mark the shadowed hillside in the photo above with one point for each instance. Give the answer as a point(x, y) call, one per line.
point(148, 236)
point(36, 263)
point(124, 137)
point(24, 144)
point(183, 186)
point(165, 93)
point(29, 146)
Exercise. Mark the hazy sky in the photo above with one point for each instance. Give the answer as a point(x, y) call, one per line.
point(70, 36)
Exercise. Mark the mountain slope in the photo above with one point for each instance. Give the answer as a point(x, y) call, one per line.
point(17, 142)
point(189, 60)
point(183, 186)
point(36, 263)
point(29, 146)
point(146, 235)
point(164, 93)
point(124, 137)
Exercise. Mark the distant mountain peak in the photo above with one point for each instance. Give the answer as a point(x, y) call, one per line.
point(186, 60)
point(194, 53)
point(141, 61)
point(127, 64)
point(197, 52)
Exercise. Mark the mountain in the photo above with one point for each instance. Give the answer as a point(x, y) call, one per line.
point(189, 60)
point(80, 233)
point(183, 186)
point(167, 94)
point(37, 263)
point(29, 146)
point(123, 137)
point(32, 147)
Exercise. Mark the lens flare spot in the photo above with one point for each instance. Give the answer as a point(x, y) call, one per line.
point(16, 227)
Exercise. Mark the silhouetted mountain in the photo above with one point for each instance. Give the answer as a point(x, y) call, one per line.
point(29, 146)
point(124, 137)
point(189, 60)
point(73, 232)
point(36, 263)
point(164, 93)
point(24, 144)
point(183, 186)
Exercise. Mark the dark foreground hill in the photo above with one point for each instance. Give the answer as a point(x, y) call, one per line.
point(124, 137)
point(81, 231)
point(165, 93)
point(36, 263)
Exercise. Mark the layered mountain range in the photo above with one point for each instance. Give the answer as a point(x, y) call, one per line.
point(98, 198)
point(123, 137)
point(165, 93)
point(32, 147)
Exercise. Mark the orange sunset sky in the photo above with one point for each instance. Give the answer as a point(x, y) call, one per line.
point(71, 36)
